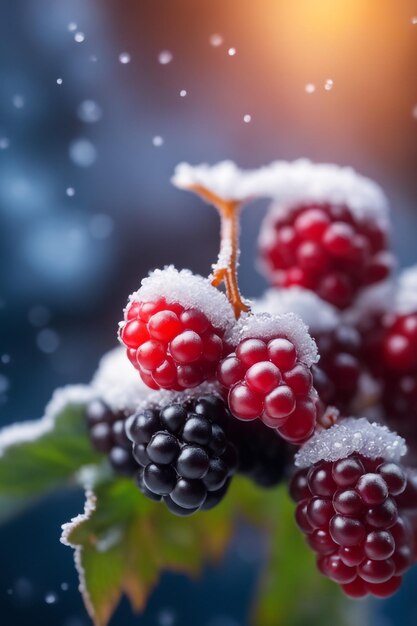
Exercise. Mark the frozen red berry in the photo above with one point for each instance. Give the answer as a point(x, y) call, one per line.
point(329, 248)
point(268, 376)
point(352, 509)
point(174, 329)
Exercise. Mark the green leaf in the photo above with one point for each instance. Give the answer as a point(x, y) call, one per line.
point(38, 456)
point(123, 543)
point(291, 591)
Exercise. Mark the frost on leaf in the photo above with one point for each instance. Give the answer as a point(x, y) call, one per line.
point(318, 315)
point(266, 326)
point(349, 436)
point(38, 456)
point(123, 542)
point(189, 290)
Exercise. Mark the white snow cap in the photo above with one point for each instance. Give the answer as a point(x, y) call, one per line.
point(32, 430)
point(318, 315)
point(373, 300)
point(303, 182)
point(352, 435)
point(289, 183)
point(190, 290)
point(406, 298)
point(225, 179)
point(159, 399)
point(117, 383)
point(267, 327)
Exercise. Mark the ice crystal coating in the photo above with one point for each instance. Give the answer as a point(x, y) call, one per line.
point(267, 327)
point(349, 436)
point(163, 397)
point(406, 298)
point(224, 179)
point(34, 429)
point(373, 300)
point(318, 315)
point(89, 508)
point(291, 183)
point(190, 290)
point(116, 382)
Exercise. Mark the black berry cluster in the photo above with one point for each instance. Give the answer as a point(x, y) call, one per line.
point(184, 455)
point(107, 435)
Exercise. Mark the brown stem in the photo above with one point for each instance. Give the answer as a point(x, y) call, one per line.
point(225, 269)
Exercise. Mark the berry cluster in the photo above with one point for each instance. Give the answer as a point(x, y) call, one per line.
point(108, 436)
point(349, 512)
point(184, 454)
point(266, 379)
point(172, 347)
point(326, 248)
point(328, 239)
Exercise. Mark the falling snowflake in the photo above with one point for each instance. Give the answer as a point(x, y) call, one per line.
point(165, 57)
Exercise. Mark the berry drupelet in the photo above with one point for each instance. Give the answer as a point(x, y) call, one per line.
point(107, 435)
point(184, 455)
point(325, 247)
point(351, 511)
point(268, 376)
point(173, 329)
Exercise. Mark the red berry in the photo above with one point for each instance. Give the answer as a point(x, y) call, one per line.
point(326, 248)
point(352, 521)
point(172, 347)
point(266, 378)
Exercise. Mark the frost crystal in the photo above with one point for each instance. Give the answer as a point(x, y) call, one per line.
point(159, 399)
point(306, 182)
point(352, 435)
point(318, 315)
point(406, 299)
point(266, 326)
point(290, 184)
point(117, 383)
point(189, 290)
point(373, 300)
point(32, 430)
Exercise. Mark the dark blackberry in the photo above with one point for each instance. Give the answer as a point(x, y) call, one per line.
point(184, 455)
point(263, 454)
point(108, 436)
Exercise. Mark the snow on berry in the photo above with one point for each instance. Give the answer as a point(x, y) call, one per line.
point(319, 316)
point(337, 376)
point(350, 496)
point(335, 244)
point(183, 454)
point(117, 384)
point(352, 435)
point(268, 376)
point(174, 327)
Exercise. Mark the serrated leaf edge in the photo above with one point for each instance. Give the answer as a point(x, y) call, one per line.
point(90, 506)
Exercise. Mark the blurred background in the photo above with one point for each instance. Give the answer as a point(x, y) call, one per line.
point(99, 100)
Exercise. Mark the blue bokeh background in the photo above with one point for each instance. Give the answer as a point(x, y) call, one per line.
point(86, 208)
